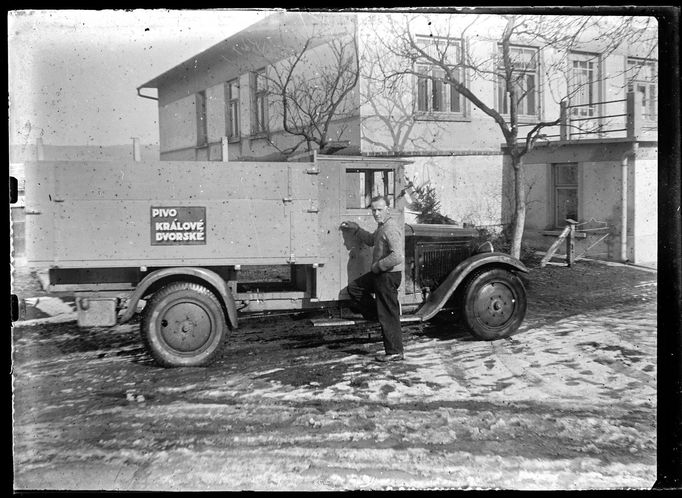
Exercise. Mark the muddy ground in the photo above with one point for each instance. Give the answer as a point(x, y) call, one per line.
point(568, 402)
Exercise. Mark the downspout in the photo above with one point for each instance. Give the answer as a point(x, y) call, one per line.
point(624, 201)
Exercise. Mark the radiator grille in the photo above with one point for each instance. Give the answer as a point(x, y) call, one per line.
point(435, 260)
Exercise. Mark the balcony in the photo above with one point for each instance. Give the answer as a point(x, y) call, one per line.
point(627, 118)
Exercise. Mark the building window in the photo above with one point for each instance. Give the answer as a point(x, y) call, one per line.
point(583, 78)
point(232, 109)
point(524, 79)
point(363, 184)
point(643, 79)
point(433, 94)
point(202, 134)
point(565, 180)
point(260, 102)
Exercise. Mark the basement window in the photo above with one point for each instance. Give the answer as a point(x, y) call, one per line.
point(364, 184)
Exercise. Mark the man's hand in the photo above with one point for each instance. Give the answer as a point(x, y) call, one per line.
point(349, 225)
point(375, 268)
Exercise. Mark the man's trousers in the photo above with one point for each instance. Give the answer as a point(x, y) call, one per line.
point(385, 308)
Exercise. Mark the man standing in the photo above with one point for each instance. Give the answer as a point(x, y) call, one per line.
point(384, 278)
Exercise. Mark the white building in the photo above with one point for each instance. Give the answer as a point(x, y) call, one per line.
point(598, 164)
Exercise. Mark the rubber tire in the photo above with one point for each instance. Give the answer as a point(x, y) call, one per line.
point(166, 299)
point(474, 321)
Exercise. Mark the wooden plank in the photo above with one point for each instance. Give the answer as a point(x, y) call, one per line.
point(552, 249)
point(570, 245)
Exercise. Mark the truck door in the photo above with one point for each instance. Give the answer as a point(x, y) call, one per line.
point(363, 181)
point(302, 198)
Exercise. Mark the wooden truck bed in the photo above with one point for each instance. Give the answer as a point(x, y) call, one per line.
point(94, 214)
point(105, 216)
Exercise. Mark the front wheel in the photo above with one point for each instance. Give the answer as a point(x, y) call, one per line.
point(493, 304)
point(183, 325)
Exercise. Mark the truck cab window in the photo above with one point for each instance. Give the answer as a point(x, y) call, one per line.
point(363, 184)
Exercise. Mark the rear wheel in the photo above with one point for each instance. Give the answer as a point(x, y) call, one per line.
point(493, 304)
point(183, 325)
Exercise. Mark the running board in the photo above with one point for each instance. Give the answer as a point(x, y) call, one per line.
point(339, 322)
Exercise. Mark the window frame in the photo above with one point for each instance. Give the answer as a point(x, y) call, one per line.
point(501, 96)
point(650, 112)
point(556, 187)
point(259, 101)
point(201, 118)
point(591, 110)
point(424, 87)
point(368, 183)
point(232, 111)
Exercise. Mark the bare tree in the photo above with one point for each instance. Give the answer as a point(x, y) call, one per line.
point(310, 103)
point(442, 48)
point(396, 114)
point(311, 80)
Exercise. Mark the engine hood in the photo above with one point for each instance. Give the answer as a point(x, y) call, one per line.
point(438, 231)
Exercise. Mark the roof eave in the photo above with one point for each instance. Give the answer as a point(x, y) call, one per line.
point(262, 28)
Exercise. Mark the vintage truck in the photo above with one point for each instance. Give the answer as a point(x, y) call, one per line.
point(194, 245)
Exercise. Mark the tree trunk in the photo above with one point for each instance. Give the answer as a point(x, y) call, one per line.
point(519, 220)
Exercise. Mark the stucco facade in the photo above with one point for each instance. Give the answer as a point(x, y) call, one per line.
point(605, 170)
point(194, 97)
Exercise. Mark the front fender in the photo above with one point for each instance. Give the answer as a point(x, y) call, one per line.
point(437, 299)
point(211, 278)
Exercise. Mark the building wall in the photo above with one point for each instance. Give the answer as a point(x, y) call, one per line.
point(477, 188)
point(188, 154)
point(389, 116)
point(178, 126)
point(645, 217)
point(538, 213)
point(390, 121)
point(600, 199)
point(312, 68)
point(600, 196)
point(178, 114)
point(470, 188)
point(460, 155)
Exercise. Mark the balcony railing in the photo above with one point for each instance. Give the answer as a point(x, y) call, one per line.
point(634, 122)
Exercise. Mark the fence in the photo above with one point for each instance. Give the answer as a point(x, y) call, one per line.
point(596, 228)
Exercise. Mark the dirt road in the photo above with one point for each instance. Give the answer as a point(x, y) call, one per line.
point(568, 402)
